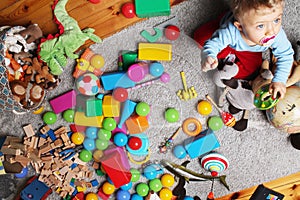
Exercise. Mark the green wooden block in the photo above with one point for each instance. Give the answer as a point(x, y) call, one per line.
point(152, 8)
point(93, 107)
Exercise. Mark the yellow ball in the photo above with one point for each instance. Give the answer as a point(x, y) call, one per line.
point(165, 194)
point(167, 180)
point(91, 196)
point(97, 155)
point(97, 61)
point(77, 138)
point(204, 107)
point(108, 188)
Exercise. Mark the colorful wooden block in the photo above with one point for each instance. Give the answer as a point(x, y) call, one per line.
point(113, 80)
point(93, 107)
point(127, 109)
point(81, 119)
point(126, 58)
point(203, 143)
point(151, 8)
point(110, 106)
point(155, 51)
point(63, 102)
point(136, 124)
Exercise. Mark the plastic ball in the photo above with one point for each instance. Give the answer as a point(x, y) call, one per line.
point(91, 196)
point(204, 107)
point(23, 173)
point(142, 189)
point(167, 180)
point(77, 138)
point(171, 115)
point(88, 84)
point(142, 109)
point(150, 172)
point(104, 134)
point(91, 132)
point(120, 94)
point(49, 117)
point(128, 10)
point(89, 144)
point(101, 144)
point(108, 188)
point(97, 61)
point(165, 194)
point(120, 139)
point(136, 197)
point(179, 152)
point(135, 175)
point(97, 155)
point(155, 185)
point(188, 198)
point(172, 32)
point(165, 77)
point(85, 155)
point(68, 115)
point(156, 69)
point(109, 124)
point(215, 123)
point(134, 143)
point(127, 186)
point(123, 195)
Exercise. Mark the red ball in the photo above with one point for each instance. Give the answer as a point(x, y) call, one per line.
point(134, 143)
point(94, 1)
point(120, 94)
point(172, 32)
point(128, 10)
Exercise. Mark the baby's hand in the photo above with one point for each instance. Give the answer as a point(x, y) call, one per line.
point(209, 63)
point(277, 89)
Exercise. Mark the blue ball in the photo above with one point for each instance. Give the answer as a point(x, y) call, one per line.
point(156, 69)
point(23, 173)
point(136, 197)
point(123, 195)
point(188, 198)
point(127, 186)
point(91, 132)
point(120, 139)
point(89, 144)
point(179, 152)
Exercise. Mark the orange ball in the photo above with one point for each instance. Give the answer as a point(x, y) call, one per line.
point(77, 138)
point(204, 107)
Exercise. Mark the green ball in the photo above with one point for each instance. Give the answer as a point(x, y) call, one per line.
point(142, 189)
point(85, 155)
point(135, 175)
point(215, 123)
point(68, 115)
point(104, 134)
point(109, 124)
point(142, 109)
point(101, 144)
point(155, 185)
point(172, 115)
point(49, 117)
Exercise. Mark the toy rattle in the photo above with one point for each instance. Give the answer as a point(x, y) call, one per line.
point(263, 99)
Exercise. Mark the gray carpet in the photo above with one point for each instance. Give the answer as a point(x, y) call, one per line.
point(259, 154)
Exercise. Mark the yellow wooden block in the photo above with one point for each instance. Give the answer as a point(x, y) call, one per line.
point(81, 119)
point(155, 51)
point(110, 106)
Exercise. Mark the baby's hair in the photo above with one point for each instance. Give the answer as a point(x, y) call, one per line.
point(240, 6)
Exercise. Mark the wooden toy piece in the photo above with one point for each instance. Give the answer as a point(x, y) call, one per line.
point(155, 51)
point(151, 8)
point(125, 59)
point(28, 130)
point(82, 120)
point(93, 107)
point(186, 93)
point(165, 146)
point(136, 124)
point(203, 143)
point(228, 119)
point(63, 102)
point(215, 163)
point(127, 109)
point(115, 170)
point(152, 37)
point(197, 124)
point(113, 80)
point(110, 106)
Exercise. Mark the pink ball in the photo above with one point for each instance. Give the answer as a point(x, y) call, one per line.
point(165, 77)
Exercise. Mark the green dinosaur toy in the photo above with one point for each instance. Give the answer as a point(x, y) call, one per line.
point(55, 51)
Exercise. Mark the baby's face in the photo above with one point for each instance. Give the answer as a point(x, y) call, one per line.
point(259, 27)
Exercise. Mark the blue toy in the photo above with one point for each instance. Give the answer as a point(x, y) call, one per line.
point(35, 190)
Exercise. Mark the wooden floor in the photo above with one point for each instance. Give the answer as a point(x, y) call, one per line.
point(105, 17)
point(288, 185)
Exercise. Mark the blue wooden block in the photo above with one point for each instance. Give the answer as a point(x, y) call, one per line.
point(127, 109)
point(111, 81)
point(203, 143)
